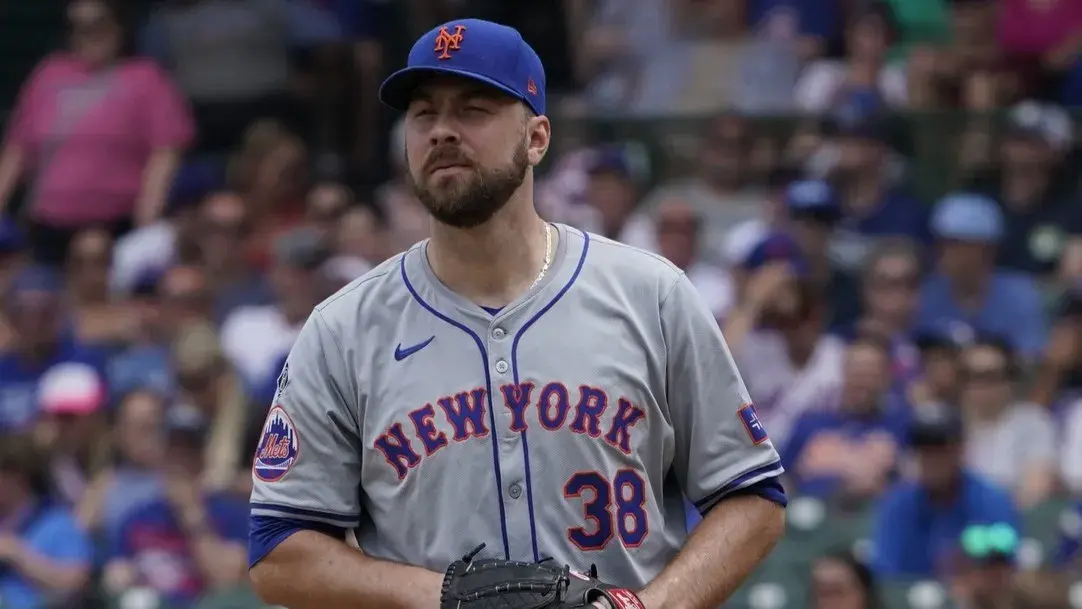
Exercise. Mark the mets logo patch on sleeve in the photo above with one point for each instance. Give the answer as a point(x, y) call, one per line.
point(752, 425)
point(278, 446)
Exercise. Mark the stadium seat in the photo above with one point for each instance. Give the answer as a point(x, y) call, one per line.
point(1041, 527)
point(915, 595)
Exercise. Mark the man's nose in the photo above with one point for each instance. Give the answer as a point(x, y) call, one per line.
point(443, 131)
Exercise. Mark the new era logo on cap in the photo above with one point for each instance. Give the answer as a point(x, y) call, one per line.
point(483, 51)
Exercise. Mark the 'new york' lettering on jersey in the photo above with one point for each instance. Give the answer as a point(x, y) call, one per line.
point(570, 424)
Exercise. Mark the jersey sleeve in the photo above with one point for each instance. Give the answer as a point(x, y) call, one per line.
point(720, 445)
point(307, 464)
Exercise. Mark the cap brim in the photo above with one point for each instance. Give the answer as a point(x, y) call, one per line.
point(397, 90)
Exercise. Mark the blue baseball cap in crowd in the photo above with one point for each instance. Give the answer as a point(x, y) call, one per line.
point(37, 278)
point(815, 199)
point(967, 217)
point(11, 238)
point(776, 247)
point(489, 53)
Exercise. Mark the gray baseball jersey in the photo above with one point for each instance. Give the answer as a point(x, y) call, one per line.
point(569, 424)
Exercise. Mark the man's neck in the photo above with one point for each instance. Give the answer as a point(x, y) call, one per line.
point(969, 294)
point(492, 264)
point(800, 352)
point(1023, 191)
point(35, 354)
point(865, 192)
point(947, 495)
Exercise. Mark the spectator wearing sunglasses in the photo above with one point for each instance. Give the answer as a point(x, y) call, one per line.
point(984, 576)
point(33, 304)
point(1010, 443)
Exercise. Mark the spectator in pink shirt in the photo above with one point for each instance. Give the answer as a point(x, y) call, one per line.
point(97, 134)
point(1040, 29)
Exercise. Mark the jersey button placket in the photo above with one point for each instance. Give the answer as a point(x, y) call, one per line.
point(501, 366)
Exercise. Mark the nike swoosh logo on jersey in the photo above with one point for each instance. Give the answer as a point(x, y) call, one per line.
point(401, 354)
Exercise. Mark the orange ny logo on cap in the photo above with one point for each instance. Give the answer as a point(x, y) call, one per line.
point(447, 42)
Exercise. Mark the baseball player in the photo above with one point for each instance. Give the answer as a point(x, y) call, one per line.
point(506, 392)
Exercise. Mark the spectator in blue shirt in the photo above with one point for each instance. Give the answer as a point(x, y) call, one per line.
point(967, 288)
point(875, 202)
point(814, 210)
point(33, 305)
point(184, 543)
point(919, 522)
point(851, 452)
point(44, 556)
point(820, 21)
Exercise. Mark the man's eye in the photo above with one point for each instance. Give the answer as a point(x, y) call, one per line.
point(476, 109)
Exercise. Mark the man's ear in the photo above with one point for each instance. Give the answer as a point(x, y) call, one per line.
point(539, 135)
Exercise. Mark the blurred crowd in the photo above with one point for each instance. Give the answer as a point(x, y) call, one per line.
point(182, 181)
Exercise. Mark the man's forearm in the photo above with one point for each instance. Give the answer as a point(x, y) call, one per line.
point(310, 570)
point(720, 553)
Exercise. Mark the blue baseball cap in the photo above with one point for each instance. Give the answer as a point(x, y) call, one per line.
point(11, 238)
point(776, 247)
point(813, 198)
point(489, 53)
point(37, 278)
point(967, 217)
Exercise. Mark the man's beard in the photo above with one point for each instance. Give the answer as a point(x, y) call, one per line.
point(466, 201)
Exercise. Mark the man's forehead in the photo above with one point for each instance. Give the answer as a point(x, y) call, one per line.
point(984, 356)
point(450, 87)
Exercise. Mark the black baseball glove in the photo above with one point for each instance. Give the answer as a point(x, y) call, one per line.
point(505, 584)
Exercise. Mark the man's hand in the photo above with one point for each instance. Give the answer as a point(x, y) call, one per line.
point(765, 284)
point(183, 495)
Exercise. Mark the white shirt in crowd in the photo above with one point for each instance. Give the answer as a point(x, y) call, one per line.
point(255, 338)
point(1005, 449)
point(715, 285)
point(147, 249)
point(782, 392)
point(1071, 460)
point(822, 82)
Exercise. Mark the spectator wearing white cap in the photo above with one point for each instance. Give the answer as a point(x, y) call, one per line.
point(1035, 190)
point(71, 396)
point(966, 288)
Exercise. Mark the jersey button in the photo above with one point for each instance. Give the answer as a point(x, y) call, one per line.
point(498, 333)
point(501, 366)
point(515, 491)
